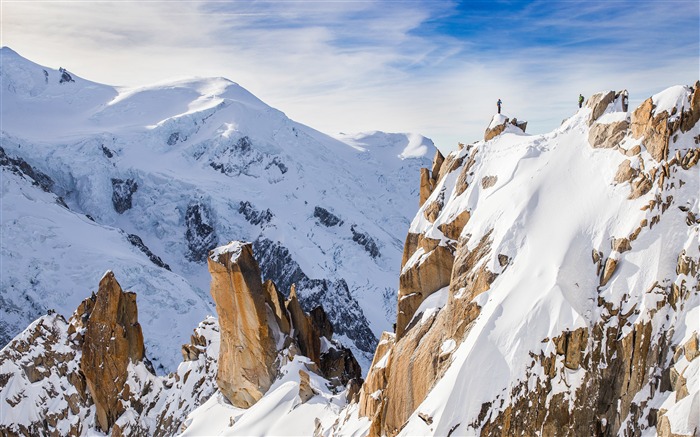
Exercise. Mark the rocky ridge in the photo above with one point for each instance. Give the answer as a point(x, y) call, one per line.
point(618, 368)
point(95, 369)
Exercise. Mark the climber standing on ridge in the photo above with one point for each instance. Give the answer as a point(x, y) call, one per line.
point(580, 100)
point(498, 103)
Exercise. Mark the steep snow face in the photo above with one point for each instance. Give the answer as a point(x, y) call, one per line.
point(553, 206)
point(148, 180)
point(574, 284)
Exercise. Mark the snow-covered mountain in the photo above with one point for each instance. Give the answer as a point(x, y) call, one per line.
point(549, 287)
point(146, 181)
point(549, 284)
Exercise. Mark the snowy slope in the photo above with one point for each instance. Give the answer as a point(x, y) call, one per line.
point(185, 166)
point(541, 207)
point(554, 201)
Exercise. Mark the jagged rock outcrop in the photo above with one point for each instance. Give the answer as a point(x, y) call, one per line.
point(112, 340)
point(94, 368)
point(96, 361)
point(658, 127)
point(429, 178)
point(256, 324)
point(498, 125)
point(615, 367)
point(247, 358)
point(607, 135)
point(306, 334)
point(599, 103)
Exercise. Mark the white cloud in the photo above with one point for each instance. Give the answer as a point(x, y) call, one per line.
point(363, 65)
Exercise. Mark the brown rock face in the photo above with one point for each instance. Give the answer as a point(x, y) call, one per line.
point(427, 185)
point(420, 281)
point(657, 130)
point(453, 229)
point(112, 338)
point(306, 334)
point(275, 300)
point(625, 173)
point(247, 354)
point(654, 129)
point(599, 103)
point(429, 178)
point(607, 135)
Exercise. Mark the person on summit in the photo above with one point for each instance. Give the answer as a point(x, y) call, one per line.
point(498, 103)
point(580, 100)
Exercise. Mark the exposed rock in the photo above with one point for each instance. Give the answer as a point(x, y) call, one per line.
point(200, 234)
point(640, 186)
point(173, 138)
point(306, 392)
point(321, 321)
point(691, 117)
point(364, 240)
point(453, 229)
point(247, 354)
point(327, 218)
point(691, 349)
point(572, 346)
point(155, 259)
point(621, 245)
point(377, 376)
point(522, 125)
point(607, 135)
point(663, 429)
point(21, 167)
point(625, 173)
point(636, 150)
point(340, 366)
point(427, 185)
point(253, 216)
point(353, 391)
point(432, 211)
point(610, 265)
point(122, 191)
point(463, 180)
point(421, 280)
point(65, 76)
point(113, 338)
point(275, 300)
point(306, 333)
point(345, 314)
point(438, 160)
point(488, 181)
point(599, 103)
point(469, 272)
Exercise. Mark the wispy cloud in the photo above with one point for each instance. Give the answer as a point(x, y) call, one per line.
point(434, 67)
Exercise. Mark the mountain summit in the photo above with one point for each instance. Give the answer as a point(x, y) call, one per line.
point(145, 181)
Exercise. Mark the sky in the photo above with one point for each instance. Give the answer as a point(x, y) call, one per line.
point(434, 67)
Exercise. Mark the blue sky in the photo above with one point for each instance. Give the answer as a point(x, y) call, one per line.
point(433, 67)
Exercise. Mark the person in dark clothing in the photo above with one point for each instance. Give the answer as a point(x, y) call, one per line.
point(580, 100)
point(498, 103)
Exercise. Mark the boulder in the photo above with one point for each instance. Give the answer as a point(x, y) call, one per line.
point(247, 352)
point(625, 172)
